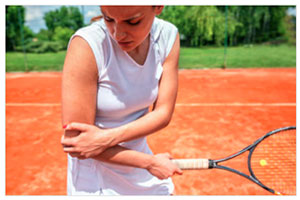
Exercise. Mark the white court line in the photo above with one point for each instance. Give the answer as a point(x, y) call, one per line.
point(235, 104)
point(178, 104)
point(33, 74)
point(32, 104)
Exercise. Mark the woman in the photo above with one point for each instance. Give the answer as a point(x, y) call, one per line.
point(114, 70)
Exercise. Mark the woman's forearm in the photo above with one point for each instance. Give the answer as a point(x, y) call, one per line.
point(141, 127)
point(159, 165)
point(123, 156)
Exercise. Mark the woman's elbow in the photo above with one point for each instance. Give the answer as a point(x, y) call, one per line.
point(166, 119)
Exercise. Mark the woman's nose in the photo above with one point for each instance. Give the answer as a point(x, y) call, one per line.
point(120, 33)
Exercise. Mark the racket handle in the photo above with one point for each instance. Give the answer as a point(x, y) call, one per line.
point(191, 163)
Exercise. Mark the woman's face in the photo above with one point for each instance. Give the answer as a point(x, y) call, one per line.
point(129, 26)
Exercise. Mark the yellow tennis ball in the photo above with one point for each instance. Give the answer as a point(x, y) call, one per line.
point(263, 162)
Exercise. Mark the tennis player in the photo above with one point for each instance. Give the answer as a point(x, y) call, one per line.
point(115, 69)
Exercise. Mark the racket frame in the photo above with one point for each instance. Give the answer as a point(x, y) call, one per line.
point(250, 148)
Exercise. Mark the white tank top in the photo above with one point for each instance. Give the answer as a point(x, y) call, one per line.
point(126, 89)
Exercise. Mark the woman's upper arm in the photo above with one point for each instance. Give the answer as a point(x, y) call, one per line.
point(79, 83)
point(169, 81)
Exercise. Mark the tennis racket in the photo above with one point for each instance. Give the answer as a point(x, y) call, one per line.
point(271, 162)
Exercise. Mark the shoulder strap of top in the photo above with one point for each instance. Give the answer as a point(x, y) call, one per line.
point(164, 35)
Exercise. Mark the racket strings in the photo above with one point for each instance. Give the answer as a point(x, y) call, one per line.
point(273, 162)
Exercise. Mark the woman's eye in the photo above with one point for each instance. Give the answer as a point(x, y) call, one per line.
point(129, 22)
point(134, 23)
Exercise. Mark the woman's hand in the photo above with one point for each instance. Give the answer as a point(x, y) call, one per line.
point(162, 166)
point(88, 142)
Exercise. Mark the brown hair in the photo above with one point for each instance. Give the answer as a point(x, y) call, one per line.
point(97, 18)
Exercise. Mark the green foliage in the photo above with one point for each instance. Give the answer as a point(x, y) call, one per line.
point(12, 27)
point(290, 27)
point(43, 35)
point(62, 35)
point(40, 46)
point(198, 26)
point(203, 19)
point(15, 17)
point(66, 17)
point(205, 25)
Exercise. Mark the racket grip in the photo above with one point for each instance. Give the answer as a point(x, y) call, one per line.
point(191, 163)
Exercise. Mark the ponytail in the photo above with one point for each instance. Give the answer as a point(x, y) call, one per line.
point(97, 18)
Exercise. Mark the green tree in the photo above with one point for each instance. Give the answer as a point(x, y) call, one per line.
point(176, 15)
point(278, 14)
point(62, 35)
point(43, 35)
point(15, 19)
point(290, 27)
point(205, 25)
point(199, 25)
point(257, 24)
point(66, 17)
point(204, 21)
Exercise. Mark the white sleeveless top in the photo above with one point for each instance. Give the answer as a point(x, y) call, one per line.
point(125, 92)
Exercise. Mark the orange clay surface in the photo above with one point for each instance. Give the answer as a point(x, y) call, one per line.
point(218, 112)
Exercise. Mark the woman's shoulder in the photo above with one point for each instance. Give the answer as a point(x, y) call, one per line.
point(163, 23)
point(97, 38)
point(95, 31)
point(163, 27)
point(164, 34)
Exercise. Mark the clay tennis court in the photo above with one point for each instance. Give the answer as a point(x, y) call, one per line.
point(218, 112)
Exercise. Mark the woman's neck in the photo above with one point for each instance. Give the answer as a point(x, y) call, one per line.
point(139, 54)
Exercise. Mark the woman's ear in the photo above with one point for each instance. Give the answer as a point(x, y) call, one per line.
point(158, 9)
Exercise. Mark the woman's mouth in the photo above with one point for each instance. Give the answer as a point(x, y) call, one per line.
point(124, 44)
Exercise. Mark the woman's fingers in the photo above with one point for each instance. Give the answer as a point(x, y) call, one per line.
point(66, 141)
point(76, 126)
